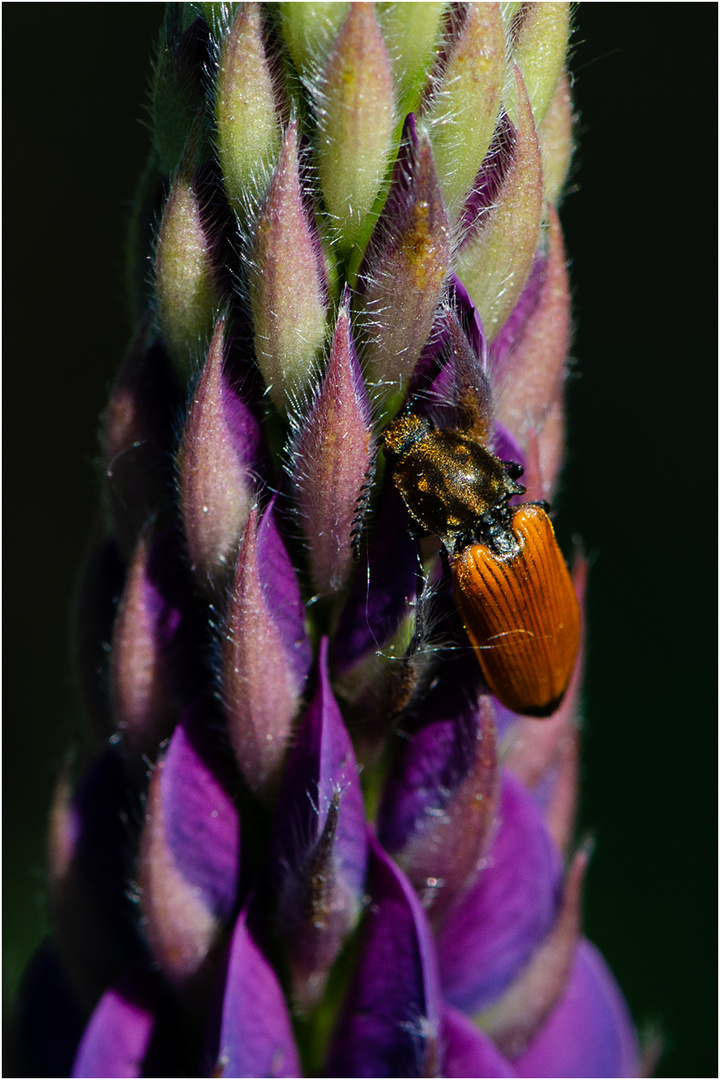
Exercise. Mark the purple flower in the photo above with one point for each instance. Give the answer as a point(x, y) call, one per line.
point(320, 841)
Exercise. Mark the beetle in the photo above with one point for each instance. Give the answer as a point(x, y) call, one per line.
point(512, 588)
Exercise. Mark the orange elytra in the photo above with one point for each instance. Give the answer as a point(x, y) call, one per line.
point(512, 587)
point(521, 614)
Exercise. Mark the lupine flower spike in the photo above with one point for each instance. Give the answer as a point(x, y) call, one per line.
point(329, 647)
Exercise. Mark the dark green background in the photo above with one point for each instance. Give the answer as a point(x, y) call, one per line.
point(640, 482)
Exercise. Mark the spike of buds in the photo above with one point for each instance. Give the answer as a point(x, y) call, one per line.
point(347, 859)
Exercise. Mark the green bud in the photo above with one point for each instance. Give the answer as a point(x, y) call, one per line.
point(309, 30)
point(463, 114)
point(541, 40)
point(556, 141)
point(287, 293)
point(248, 126)
point(495, 264)
point(411, 34)
point(187, 294)
point(355, 123)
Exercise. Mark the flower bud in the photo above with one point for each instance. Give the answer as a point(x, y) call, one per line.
point(464, 109)
point(152, 661)
point(331, 456)
point(135, 440)
point(246, 112)
point(309, 30)
point(217, 456)
point(556, 141)
point(188, 294)
point(287, 283)
point(355, 123)
point(412, 35)
point(540, 34)
point(530, 351)
point(404, 268)
point(496, 262)
point(265, 655)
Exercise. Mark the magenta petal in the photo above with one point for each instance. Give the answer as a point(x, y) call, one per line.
point(256, 1036)
point(468, 1051)
point(489, 180)
point(117, 1039)
point(459, 299)
point(321, 765)
point(440, 802)
point(590, 1033)
point(390, 1020)
point(279, 582)
point(492, 933)
point(320, 844)
point(507, 448)
point(201, 821)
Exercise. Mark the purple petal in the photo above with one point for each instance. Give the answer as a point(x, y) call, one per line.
point(467, 1051)
point(320, 846)
point(518, 1015)
point(467, 313)
point(461, 393)
point(440, 802)
point(256, 1036)
point(590, 1033)
point(118, 1037)
point(390, 1020)
point(507, 448)
point(457, 301)
point(490, 178)
point(190, 856)
point(332, 454)
point(494, 930)
point(265, 654)
point(201, 819)
point(279, 582)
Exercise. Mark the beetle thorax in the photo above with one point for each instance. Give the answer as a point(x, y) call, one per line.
point(455, 488)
